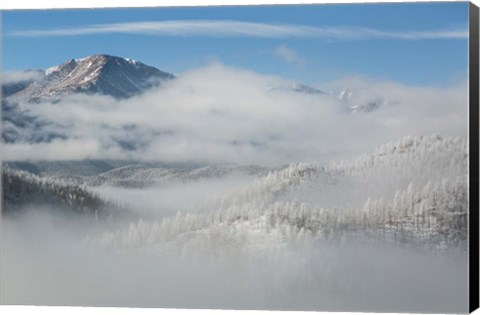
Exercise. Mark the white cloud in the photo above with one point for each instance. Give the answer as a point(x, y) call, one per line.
point(71, 149)
point(219, 114)
point(228, 28)
point(11, 77)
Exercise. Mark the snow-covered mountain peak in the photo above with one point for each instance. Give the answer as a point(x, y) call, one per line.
point(357, 102)
point(96, 74)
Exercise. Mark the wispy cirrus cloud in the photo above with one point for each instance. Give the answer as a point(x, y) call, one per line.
point(229, 28)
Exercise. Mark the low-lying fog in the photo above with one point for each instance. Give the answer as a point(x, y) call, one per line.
point(48, 260)
point(156, 202)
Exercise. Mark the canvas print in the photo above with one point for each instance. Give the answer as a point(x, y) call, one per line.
point(301, 157)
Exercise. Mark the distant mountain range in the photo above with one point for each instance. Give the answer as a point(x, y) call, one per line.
point(126, 174)
point(124, 77)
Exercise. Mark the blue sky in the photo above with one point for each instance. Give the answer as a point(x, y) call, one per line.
point(413, 43)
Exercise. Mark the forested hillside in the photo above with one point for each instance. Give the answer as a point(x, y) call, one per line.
point(413, 191)
point(22, 190)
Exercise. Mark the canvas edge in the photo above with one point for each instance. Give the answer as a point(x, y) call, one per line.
point(474, 156)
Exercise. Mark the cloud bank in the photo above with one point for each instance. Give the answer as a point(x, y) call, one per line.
point(13, 77)
point(45, 262)
point(219, 114)
point(232, 28)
